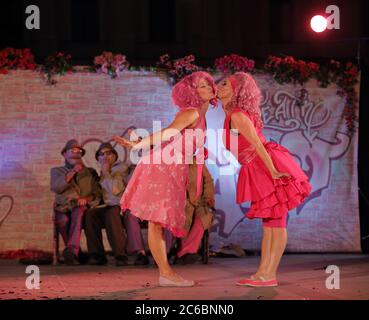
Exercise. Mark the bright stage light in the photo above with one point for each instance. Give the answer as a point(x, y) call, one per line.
point(318, 23)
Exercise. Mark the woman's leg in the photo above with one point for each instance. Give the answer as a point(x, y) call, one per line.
point(278, 245)
point(158, 250)
point(279, 241)
point(266, 244)
point(273, 245)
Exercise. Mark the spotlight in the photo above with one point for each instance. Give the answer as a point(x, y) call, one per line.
point(318, 23)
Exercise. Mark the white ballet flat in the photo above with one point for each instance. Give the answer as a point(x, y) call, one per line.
point(165, 282)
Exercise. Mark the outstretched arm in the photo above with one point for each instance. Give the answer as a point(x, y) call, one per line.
point(244, 125)
point(182, 120)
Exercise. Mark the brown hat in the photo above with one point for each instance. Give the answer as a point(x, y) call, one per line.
point(106, 145)
point(73, 144)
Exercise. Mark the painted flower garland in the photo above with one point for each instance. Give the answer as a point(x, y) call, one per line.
point(111, 64)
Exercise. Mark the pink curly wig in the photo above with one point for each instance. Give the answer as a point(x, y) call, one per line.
point(184, 93)
point(246, 95)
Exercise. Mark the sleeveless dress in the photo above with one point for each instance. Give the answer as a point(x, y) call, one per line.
point(157, 189)
point(270, 198)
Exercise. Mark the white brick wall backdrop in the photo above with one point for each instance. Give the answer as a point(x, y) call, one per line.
point(36, 120)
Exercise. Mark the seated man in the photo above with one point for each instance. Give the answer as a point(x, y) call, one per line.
point(135, 239)
point(108, 215)
point(76, 189)
point(199, 215)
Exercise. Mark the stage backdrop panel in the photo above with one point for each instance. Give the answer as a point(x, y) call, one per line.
point(36, 120)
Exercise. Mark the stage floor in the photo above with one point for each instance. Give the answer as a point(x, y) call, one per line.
point(301, 277)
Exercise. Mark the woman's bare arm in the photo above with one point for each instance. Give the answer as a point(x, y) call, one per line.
point(182, 120)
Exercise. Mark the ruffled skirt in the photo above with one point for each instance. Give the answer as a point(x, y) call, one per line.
point(272, 198)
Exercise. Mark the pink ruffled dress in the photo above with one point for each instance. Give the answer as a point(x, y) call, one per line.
point(270, 198)
point(157, 190)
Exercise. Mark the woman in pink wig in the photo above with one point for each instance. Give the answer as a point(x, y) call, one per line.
point(157, 190)
point(269, 176)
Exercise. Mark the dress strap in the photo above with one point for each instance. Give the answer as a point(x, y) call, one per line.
point(230, 120)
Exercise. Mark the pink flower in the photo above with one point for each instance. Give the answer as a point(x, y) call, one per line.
point(99, 60)
point(110, 63)
point(314, 66)
point(119, 58)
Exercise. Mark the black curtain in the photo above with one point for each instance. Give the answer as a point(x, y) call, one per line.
point(85, 21)
point(162, 21)
point(363, 162)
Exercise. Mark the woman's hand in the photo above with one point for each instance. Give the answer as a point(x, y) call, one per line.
point(124, 142)
point(82, 201)
point(105, 166)
point(279, 175)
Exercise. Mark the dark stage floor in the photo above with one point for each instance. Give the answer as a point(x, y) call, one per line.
point(302, 277)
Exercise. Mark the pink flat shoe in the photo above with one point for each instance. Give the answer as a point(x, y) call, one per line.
point(243, 282)
point(165, 282)
point(261, 283)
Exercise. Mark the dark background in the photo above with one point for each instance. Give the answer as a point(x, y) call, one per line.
point(145, 29)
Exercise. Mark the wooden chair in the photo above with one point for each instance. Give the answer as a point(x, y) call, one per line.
point(56, 253)
point(205, 247)
point(203, 250)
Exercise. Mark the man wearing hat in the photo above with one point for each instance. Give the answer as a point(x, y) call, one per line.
point(112, 182)
point(76, 189)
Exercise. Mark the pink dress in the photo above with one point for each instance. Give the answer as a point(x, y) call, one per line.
point(157, 191)
point(270, 198)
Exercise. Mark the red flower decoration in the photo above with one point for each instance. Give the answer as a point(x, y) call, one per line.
point(233, 63)
point(57, 63)
point(288, 69)
point(11, 59)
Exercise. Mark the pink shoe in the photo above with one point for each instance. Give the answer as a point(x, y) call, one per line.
point(165, 282)
point(243, 282)
point(261, 283)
